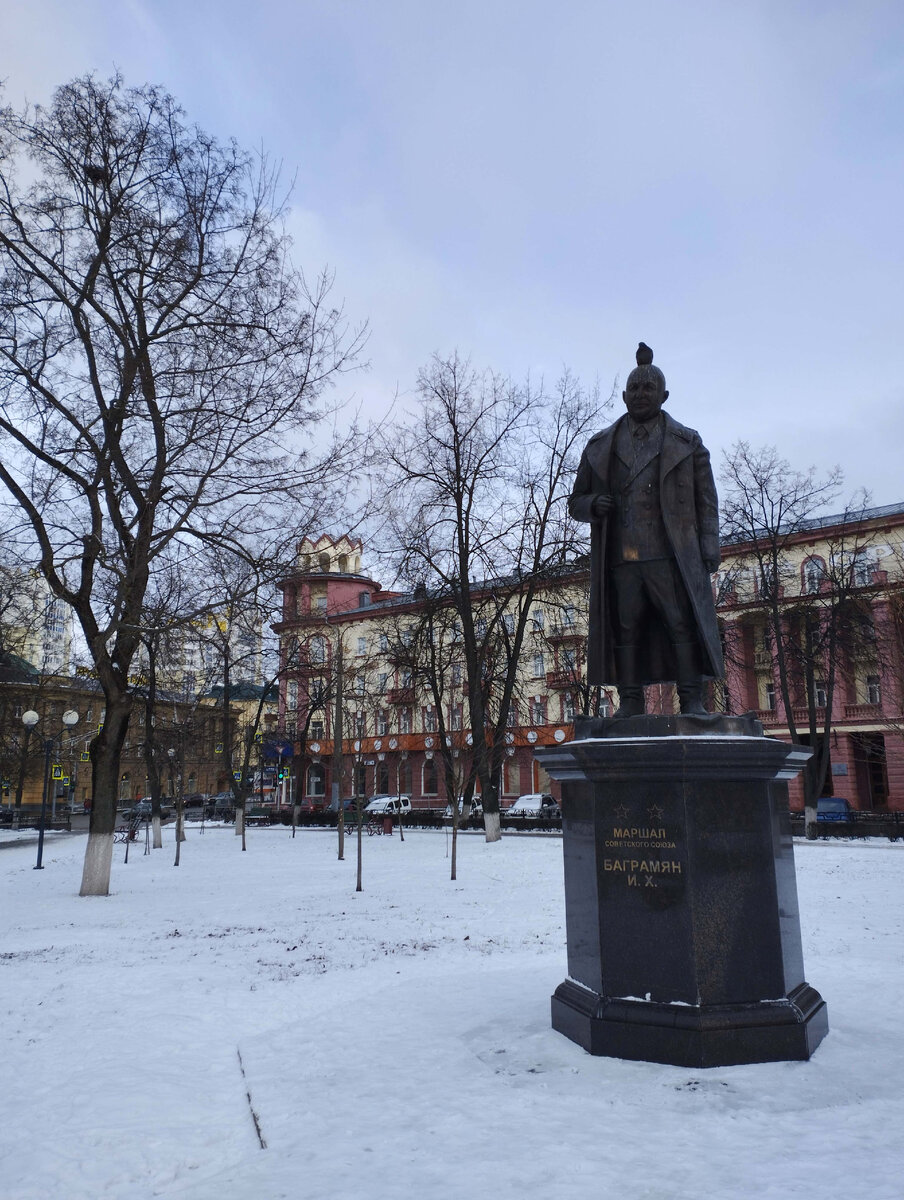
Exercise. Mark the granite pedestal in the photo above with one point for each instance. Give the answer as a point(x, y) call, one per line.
point(680, 894)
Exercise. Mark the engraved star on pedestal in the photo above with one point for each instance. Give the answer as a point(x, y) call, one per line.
point(620, 812)
point(654, 812)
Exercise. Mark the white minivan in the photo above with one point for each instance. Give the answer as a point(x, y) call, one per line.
point(388, 806)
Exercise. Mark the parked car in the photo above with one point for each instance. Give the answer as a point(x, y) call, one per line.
point(476, 809)
point(311, 804)
point(141, 811)
point(833, 808)
point(533, 807)
point(388, 806)
point(349, 807)
point(220, 807)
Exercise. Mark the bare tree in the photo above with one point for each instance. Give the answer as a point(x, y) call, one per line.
point(424, 645)
point(811, 625)
point(158, 353)
point(478, 478)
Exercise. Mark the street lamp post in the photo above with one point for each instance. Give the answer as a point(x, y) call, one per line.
point(29, 720)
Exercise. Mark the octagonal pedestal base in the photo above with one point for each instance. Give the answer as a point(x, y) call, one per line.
point(680, 894)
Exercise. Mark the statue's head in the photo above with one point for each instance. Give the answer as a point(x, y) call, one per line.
point(645, 392)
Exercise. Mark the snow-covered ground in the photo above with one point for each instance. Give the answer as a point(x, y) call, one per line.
point(396, 1042)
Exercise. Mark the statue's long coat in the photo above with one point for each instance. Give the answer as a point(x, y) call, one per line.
point(690, 512)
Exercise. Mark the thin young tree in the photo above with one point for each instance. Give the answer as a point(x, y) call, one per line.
point(158, 354)
point(424, 644)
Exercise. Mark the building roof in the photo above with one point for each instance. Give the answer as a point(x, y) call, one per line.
point(852, 518)
point(14, 669)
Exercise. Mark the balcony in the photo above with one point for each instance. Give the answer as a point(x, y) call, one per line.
point(400, 695)
point(560, 680)
point(762, 660)
point(862, 712)
point(802, 716)
point(767, 716)
point(563, 632)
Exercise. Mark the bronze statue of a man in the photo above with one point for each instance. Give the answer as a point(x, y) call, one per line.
point(646, 486)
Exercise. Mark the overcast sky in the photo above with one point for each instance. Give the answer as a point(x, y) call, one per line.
point(538, 185)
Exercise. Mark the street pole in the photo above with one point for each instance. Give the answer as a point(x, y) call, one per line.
point(29, 720)
point(48, 747)
point(335, 790)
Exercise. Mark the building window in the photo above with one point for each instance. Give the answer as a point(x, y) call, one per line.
point(428, 779)
point(316, 780)
point(539, 666)
point(384, 643)
point(406, 637)
point(568, 616)
point(814, 574)
point(538, 618)
point(405, 678)
point(318, 651)
point(456, 674)
point(455, 721)
point(360, 725)
point(508, 622)
point(318, 604)
point(511, 718)
point(292, 695)
point(429, 720)
point(568, 659)
point(820, 693)
point(770, 697)
point(873, 690)
point(864, 568)
point(360, 684)
point(567, 707)
point(317, 730)
point(766, 581)
point(382, 724)
point(362, 645)
point(383, 681)
point(538, 712)
point(405, 721)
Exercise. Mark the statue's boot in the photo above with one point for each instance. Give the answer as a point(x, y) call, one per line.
point(630, 689)
point(690, 683)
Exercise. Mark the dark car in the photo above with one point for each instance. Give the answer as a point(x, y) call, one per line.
point(141, 811)
point(220, 807)
point(833, 808)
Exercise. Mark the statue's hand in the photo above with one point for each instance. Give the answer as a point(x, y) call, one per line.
point(602, 504)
